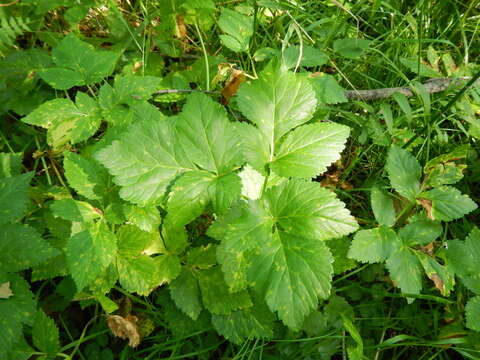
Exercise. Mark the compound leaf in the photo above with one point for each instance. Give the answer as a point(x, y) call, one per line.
point(89, 253)
point(308, 150)
point(404, 172)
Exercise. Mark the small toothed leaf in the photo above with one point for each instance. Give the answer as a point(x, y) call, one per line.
point(404, 172)
point(448, 203)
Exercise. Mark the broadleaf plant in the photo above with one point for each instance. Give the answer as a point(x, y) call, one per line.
point(272, 246)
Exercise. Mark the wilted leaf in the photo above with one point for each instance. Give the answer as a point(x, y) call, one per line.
point(125, 328)
point(5, 291)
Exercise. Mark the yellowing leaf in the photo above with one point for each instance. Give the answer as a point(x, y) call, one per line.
point(5, 291)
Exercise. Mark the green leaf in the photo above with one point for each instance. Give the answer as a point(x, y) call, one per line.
point(13, 197)
point(446, 169)
point(277, 240)
point(45, 335)
point(85, 175)
point(168, 268)
point(292, 273)
point(310, 56)
point(16, 311)
point(10, 164)
point(419, 68)
point(448, 203)
point(132, 241)
point(188, 197)
point(327, 90)
point(22, 247)
point(207, 136)
point(420, 232)
point(224, 191)
point(137, 274)
point(405, 271)
point(185, 292)
point(374, 245)
point(145, 169)
point(308, 150)
point(339, 248)
point(277, 102)
point(239, 28)
point(74, 210)
point(89, 253)
point(404, 172)
point(254, 322)
point(65, 120)
point(382, 206)
point(78, 63)
point(255, 146)
point(146, 218)
point(216, 296)
point(472, 312)
point(202, 257)
point(463, 257)
point(351, 48)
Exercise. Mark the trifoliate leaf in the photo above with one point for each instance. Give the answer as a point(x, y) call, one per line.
point(382, 206)
point(207, 136)
point(472, 312)
point(86, 176)
point(215, 294)
point(45, 335)
point(252, 182)
point(420, 232)
point(89, 253)
point(22, 247)
point(146, 218)
point(65, 120)
point(185, 292)
point(10, 164)
point(448, 203)
point(254, 322)
point(277, 102)
point(74, 210)
point(374, 245)
point(277, 241)
point(405, 271)
point(79, 61)
point(13, 197)
point(442, 276)
point(327, 90)
point(137, 274)
point(16, 311)
point(404, 172)
point(145, 168)
point(308, 150)
point(239, 29)
point(463, 257)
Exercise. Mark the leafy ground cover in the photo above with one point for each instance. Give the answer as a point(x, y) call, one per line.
point(209, 179)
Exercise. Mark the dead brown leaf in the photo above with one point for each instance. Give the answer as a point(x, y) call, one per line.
point(237, 77)
point(427, 205)
point(5, 291)
point(125, 328)
point(181, 28)
point(439, 284)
